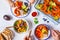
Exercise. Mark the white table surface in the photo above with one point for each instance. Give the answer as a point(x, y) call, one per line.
point(5, 9)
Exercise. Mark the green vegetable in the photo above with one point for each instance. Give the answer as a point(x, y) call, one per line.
point(35, 20)
point(39, 6)
point(25, 10)
point(15, 29)
point(52, 3)
point(15, 23)
point(26, 27)
point(24, 7)
point(49, 8)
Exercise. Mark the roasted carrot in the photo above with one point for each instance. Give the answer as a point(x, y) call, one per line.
point(57, 2)
point(17, 12)
point(53, 14)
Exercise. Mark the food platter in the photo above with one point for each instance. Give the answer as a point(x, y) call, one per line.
point(52, 15)
point(21, 11)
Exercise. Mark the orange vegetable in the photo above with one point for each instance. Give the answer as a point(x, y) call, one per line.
point(57, 2)
point(17, 12)
point(53, 14)
point(46, 1)
point(55, 9)
point(58, 15)
point(19, 4)
point(49, 12)
point(44, 7)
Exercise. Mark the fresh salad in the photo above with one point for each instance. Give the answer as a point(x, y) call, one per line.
point(21, 26)
point(50, 7)
point(21, 9)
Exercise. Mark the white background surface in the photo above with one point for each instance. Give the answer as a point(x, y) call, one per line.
point(5, 9)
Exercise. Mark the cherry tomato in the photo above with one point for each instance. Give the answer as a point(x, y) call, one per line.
point(34, 14)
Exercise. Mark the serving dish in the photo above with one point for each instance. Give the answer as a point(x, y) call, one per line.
point(51, 9)
point(41, 32)
point(21, 26)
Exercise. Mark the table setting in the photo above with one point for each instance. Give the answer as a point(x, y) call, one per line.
point(33, 19)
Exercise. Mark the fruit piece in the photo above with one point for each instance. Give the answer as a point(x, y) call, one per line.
point(26, 3)
point(34, 14)
point(6, 17)
point(24, 6)
point(56, 18)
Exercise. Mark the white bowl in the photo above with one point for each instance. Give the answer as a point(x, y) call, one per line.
point(44, 37)
point(27, 24)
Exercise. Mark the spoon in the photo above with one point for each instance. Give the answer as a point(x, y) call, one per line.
point(29, 36)
point(30, 33)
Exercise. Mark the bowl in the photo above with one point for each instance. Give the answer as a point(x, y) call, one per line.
point(21, 26)
point(41, 35)
point(25, 13)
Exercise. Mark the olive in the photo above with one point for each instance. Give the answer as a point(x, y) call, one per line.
point(26, 3)
point(6, 17)
point(47, 21)
point(44, 19)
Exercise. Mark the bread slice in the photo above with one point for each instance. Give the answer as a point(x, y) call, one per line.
point(8, 34)
point(1, 37)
